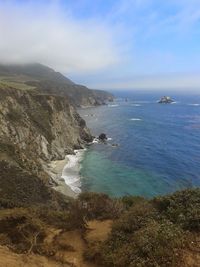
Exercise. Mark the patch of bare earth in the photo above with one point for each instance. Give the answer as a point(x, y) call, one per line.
point(191, 256)
point(69, 247)
point(98, 230)
point(10, 259)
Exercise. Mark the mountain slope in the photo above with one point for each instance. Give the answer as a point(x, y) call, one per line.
point(46, 80)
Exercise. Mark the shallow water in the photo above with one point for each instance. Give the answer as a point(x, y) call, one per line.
point(159, 148)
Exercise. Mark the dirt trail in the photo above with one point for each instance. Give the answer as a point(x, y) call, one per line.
point(98, 230)
point(191, 259)
point(10, 259)
point(78, 246)
point(71, 248)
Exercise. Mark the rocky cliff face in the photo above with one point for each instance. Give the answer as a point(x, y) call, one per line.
point(37, 128)
point(39, 124)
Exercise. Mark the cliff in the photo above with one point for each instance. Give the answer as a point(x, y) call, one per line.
point(36, 129)
point(48, 81)
point(39, 124)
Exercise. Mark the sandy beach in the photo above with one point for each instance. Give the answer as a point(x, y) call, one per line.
point(55, 170)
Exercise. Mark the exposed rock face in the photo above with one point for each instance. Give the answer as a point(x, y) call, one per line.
point(165, 100)
point(39, 124)
point(35, 128)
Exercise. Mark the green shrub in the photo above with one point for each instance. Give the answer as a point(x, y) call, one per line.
point(134, 219)
point(141, 237)
point(100, 206)
point(154, 245)
point(182, 208)
point(129, 201)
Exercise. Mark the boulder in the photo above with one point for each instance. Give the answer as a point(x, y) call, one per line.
point(103, 137)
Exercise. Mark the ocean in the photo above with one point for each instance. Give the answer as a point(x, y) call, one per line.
point(157, 146)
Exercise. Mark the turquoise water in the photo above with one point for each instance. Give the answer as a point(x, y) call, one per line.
point(158, 152)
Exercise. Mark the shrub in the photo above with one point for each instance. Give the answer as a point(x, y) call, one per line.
point(134, 219)
point(154, 245)
point(21, 230)
point(140, 237)
point(182, 208)
point(100, 206)
point(129, 201)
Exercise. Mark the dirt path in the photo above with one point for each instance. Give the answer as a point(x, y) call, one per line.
point(98, 230)
point(71, 246)
point(10, 259)
point(74, 256)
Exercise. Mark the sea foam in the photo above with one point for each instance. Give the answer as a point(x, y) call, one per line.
point(114, 105)
point(196, 105)
point(71, 171)
point(136, 105)
point(135, 119)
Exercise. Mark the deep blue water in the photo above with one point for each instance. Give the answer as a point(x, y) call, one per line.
point(159, 146)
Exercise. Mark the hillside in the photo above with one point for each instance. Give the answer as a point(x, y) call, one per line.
point(39, 226)
point(97, 231)
point(48, 81)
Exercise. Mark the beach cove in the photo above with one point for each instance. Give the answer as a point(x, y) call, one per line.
point(143, 154)
point(150, 158)
point(66, 173)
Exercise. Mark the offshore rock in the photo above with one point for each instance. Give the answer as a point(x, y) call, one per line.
point(166, 100)
point(103, 137)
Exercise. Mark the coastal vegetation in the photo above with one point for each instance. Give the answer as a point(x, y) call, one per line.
point(156, 232)
point(37, 223)
point(152, 233)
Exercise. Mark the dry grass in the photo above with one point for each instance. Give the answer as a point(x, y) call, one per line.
point(18, 82)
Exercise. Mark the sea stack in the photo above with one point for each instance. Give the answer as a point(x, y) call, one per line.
point(166, 100)
point(103, 137)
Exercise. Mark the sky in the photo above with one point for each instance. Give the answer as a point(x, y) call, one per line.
point(107, 44)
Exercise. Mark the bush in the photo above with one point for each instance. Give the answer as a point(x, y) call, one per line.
point(182, 208)
point(154, 245)
point(21, 230)
point(129, 201)
point(100, 206)
point(137, 217)
point(140, 237)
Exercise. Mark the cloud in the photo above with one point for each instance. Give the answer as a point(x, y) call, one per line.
point(42, 32)
point(167, 81)
point(106, 44)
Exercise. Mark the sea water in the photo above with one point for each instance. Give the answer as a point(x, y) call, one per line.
point(158, 145)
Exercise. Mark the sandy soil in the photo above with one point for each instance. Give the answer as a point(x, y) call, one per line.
point(98, 230)
point(10, 259)
point(55, 171)
point(75, 257)
point(71, 248)
point(191, 256)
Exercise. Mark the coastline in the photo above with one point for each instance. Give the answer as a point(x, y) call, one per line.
point(71, 171)
point(55, 170)
point(65, 173)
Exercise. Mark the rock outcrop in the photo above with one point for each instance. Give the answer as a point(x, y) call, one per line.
point(39, 125)
point(166, 100)
point(37, 128)
point(103, 137)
